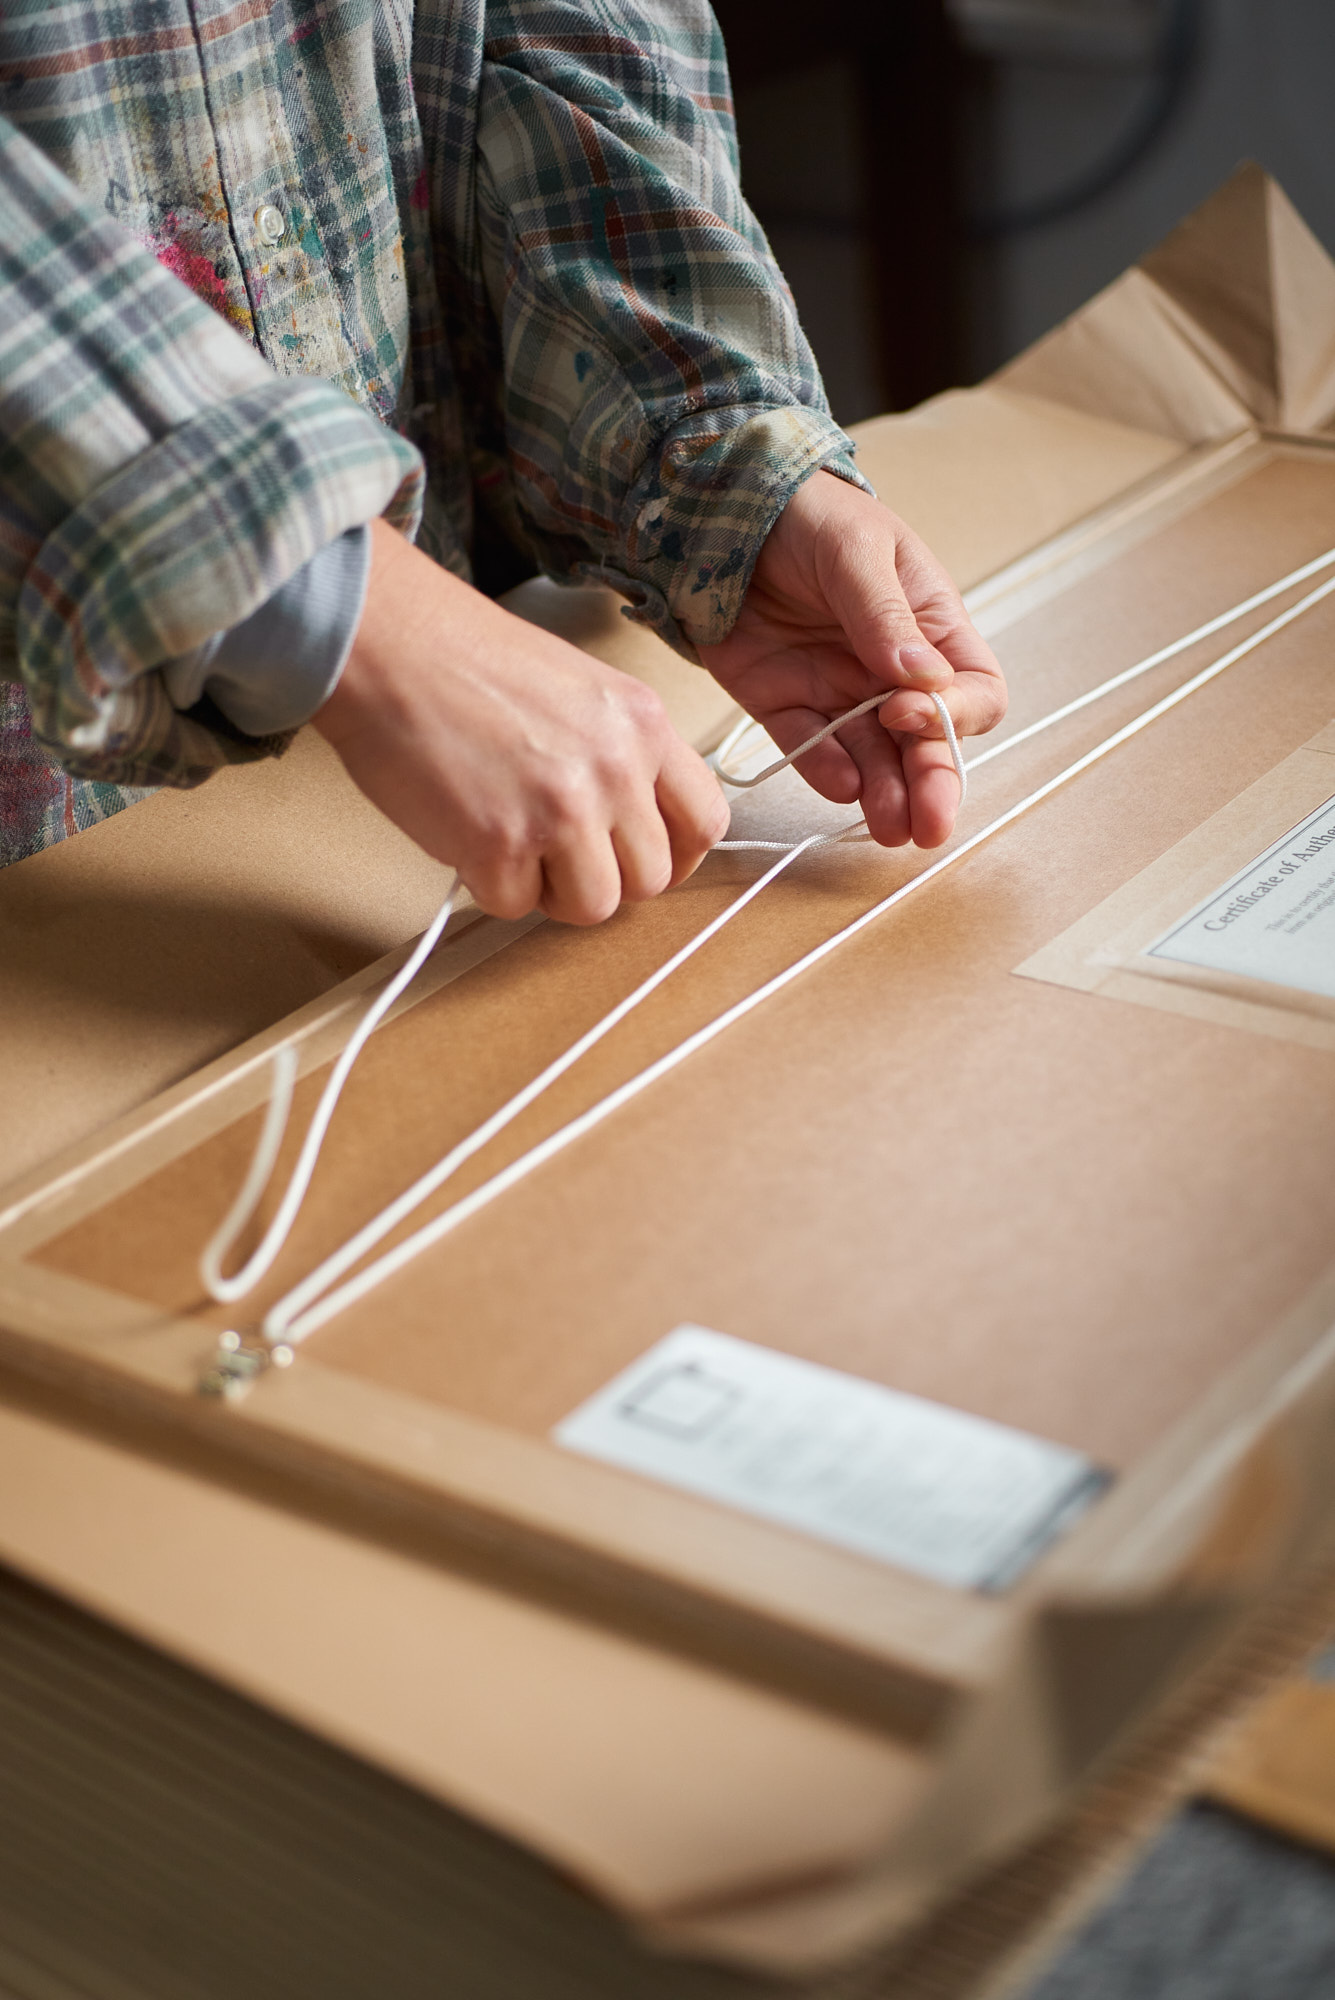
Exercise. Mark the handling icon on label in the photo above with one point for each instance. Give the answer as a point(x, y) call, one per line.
point(685, 1402)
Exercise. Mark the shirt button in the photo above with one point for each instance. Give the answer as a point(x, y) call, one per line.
point(270, 226)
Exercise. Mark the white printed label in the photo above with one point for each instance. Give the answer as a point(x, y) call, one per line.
point(1274, 921)
point(953, 1497)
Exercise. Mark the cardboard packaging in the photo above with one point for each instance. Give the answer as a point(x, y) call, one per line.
point(1091, 1202)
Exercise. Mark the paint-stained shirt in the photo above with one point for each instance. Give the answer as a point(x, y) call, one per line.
point(270, 268)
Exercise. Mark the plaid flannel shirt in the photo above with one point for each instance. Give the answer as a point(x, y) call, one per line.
point(270, 268)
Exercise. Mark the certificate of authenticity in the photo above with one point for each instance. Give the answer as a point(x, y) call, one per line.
point(953, 1497)
point(1275, 920)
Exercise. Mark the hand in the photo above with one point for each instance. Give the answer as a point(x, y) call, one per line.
point(844, 601)
point(546, 778)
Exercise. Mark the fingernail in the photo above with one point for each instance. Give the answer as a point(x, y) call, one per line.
point(923, 665)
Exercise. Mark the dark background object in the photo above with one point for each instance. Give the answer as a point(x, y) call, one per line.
point(1173, 46)
point(884, 177)
point(877, 135)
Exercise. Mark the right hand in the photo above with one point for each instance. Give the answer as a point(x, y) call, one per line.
point(548, 780)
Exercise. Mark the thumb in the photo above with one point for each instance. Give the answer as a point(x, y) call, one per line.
point(866, 595)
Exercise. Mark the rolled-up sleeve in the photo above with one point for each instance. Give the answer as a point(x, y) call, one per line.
point(158, 482)
point(661, 402)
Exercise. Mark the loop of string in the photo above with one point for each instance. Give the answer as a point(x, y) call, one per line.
point(782, 763)
point(850, 715)
point(229, 1289)
point(225, 1289)
point(312, 1302)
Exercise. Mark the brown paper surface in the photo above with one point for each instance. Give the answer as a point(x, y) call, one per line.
point(1051, 1240)
point(1228, 321)
point(1102, 952)
point(1130, 1673)
point(656, 1780)
point(984, 475)
point(155, 942)
point(912, 1165)
point(1255, 292)
point(158, 940)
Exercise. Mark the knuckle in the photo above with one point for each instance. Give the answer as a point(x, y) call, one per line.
point(589, 907)
point(510, 861)
point(504, 898)
point(565, 803)
point(649, 880)
point(642, 706)
point(503, 837)
point(504, 878)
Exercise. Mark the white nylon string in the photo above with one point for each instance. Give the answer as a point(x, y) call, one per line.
point(863, 708)
point(289, 1324)
point(298, 1314)
point(1145, 666)
point(275, 1124)
point(849, 715)
point(228, 1290)
point(285, 1312)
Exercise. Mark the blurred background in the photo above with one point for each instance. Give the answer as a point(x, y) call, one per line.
point(943, 180)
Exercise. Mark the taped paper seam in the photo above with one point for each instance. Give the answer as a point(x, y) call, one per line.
point(1275, 920)
point(1258, 868)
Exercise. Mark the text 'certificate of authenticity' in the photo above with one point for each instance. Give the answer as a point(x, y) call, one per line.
point(1274, 921)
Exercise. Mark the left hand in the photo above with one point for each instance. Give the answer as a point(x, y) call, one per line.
point(844, 601)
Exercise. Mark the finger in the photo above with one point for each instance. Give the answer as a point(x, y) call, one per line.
point(692, 808)
point(644, 854)
point(969, 653)
point(939, 608)
point(504, 886)
point(943, 617)
point(581, 877)
point(869, 600)
point(882, 791)
point(933, 791)
point(829, 769)
point(977, 702)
